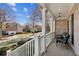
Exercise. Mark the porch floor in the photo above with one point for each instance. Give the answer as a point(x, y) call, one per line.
point(54, 50)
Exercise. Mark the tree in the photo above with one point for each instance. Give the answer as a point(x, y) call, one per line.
point(35, 17)
point(37, 28)
point(27, 28)
point(6, 15)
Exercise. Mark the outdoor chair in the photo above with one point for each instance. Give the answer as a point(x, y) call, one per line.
point(59, 38)
point(63, 39)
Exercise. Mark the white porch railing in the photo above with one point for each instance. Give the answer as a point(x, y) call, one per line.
point(33, 47)
point(41, 44)
point(48, 39)
point(27, 49)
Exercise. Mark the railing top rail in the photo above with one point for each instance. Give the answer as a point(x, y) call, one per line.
point(49, 33)
point(41, 36)
point(46, 35)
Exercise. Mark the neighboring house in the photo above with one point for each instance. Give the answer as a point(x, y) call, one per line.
point(13, 28)
point(20, 28)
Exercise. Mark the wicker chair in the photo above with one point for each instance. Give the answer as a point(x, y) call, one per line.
point(63, 39)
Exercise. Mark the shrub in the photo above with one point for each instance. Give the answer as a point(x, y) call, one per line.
point(14, 47)
point(4, 33)
point(20, 42)
point(19, 33)
point(3, 51)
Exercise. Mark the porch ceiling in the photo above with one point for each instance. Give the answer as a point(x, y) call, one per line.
point(57, 8)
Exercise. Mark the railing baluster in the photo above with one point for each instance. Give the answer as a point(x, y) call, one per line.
point(28, 49)
point(32, 48)
point(37, 51)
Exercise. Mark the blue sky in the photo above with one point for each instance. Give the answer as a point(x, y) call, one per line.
point(22, 10)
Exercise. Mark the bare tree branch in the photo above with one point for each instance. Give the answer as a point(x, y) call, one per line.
point(8, 15)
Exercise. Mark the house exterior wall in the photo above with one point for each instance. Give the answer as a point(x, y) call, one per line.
point(75, 47)
point(61, 26)
point(76, 32)
point(19, 28)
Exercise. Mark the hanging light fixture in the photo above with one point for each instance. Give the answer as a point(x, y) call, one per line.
point(59, 15)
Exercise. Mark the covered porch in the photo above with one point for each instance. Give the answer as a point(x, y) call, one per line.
point(57, 14)
point(45, 43)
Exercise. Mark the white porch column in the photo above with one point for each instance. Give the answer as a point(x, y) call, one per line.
point(43, 21)
point(43, 26)
point(50, 20)
point(51, 24)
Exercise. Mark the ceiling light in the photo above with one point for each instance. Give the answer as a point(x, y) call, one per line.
point(59, 15)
